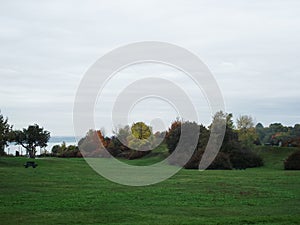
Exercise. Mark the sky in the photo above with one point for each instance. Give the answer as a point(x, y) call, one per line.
point(251, 47)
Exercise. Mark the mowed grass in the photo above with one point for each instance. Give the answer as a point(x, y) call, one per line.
point(68, 191)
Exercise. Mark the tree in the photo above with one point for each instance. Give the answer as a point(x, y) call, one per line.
point(296, 130)
point(260, 130)
point(244, 122)
point(246, 131)
point(140, 130)
point(66, 151)
point(115, 147)
point(277, 127)
point(122, 134)
point(141, 140)
point(5, 132)
point(221, 116)
point(132, 142)
point(231, 155)
point(93, 144)
point(173, 135)
point(240, 154)
point(32, 137)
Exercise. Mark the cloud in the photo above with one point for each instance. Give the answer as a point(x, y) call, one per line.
point(252, 48)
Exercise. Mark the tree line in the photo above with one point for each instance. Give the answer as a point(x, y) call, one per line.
point(30, 138)
point(138, 140)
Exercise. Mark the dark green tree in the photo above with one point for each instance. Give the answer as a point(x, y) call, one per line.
point(260, 130)
point(232, 153)
point(173, 135)
point(277, 127)
point(32, 137)
point(296, 130)
point(240, 156)
point(5, 133)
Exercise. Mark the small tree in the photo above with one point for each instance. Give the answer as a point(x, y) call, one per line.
point(5, 132)
point(220, 118)
point(122, 134)
point(140, 141)
point(261, 133)
point(173, 135)
point(140, 130)
point(94, 144)
point(32, 137)
point(244, 122)
point(246, 131)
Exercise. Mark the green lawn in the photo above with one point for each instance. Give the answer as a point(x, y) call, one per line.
point(68, 191)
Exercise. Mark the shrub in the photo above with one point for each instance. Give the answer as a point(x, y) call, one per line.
point(56, 150)
point(242, 159)
point(173, 135)
point(231, 155)
point(94, 144)
point(221, 162)
point(115, 147)
point(64, 151)
point(71, 152)
point(293, 161)
point(137, 154)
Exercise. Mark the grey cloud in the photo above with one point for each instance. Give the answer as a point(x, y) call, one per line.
point(252, 48)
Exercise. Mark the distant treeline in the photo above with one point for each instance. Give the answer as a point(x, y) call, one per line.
point(126, 142)
point(138, 140)
point(278, 134)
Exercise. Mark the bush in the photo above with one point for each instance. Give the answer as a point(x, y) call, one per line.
point(243, 159)
point(221, 162)
point(227, 161)
point(46, 155)
point(293, 161)
point(71, 152)
point(3, 153)
point(231, 155)
point(64, 151)
point(173, 135)
point(94, 144)
point(115, 147)
point(240, 157)
point(137, 154)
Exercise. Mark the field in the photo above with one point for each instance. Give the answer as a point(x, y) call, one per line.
point(68, 191)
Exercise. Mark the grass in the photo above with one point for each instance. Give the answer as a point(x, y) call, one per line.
point(68, 191)
point(156, 155)
point(274, 156)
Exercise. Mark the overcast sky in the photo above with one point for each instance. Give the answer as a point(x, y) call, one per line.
point(251, 47)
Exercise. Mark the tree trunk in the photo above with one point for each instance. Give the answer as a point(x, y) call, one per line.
point(31, 153)
point(2, 147)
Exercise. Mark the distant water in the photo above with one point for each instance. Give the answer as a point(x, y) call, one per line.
point(62, 139)
point(57, 140)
